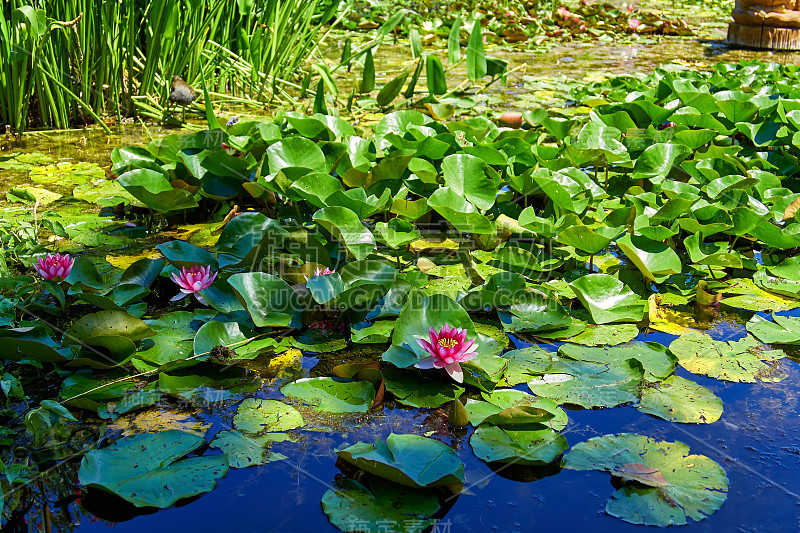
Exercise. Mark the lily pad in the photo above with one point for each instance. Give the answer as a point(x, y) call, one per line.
point(745, 360)
point(590, 384)
point(410, 460)
point(669, 485)
point(500, 400)
point(782, 329)
point(246, 450)
point(753, 298)
point(147, 469)
point(255, 416)
point(105, 323)
point(351, 506)
point(606, 335)
point(527, 363)
point(681, 400)
point(411, 389)
point(334, 395)
point(518, 446)
point(608, 299)
point(655, 360)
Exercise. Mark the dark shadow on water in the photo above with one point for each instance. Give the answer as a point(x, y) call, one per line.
point(526, 473)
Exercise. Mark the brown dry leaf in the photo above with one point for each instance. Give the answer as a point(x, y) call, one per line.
point(646, 475)
point(515, 35)
point(791, 209)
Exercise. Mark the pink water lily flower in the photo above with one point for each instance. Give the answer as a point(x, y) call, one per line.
point(193, 280)
point(54, 266)
point(448, 348)
point(634, 23)
point(323, 271)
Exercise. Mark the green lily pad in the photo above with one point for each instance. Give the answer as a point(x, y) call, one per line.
point(751, 297)
point(334, 395)
point(779, 285)
point(255, 416)
point(655, 360)
point(257, 425)
point(782, 329)
point(608, 299)
point(269, 300)
point(500, 400)
point(345, 226)
point(410, 460)
point(527, 363)
point(351, 506)
point(517, 446)
point(106, 323)
point(411, 389)
point(533, 313)
point(590, 384)
point(172, 341)
point(379, 332)
point(672, 486)
point(246, 450)
point(681, 400)
point(741, 361)
point(147, 469)
point(606, 335)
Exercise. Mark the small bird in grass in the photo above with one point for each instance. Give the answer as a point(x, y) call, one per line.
point(181, 93)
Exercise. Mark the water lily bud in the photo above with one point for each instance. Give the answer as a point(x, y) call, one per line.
point(458, 415)
point(511, 120)
point(583, 27)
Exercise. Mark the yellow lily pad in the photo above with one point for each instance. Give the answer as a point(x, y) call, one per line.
point(124, 261)
point(158, 420)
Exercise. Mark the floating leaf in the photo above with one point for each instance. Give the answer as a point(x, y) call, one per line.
point(334, 395)
point(501, 400)
point(655, 360)
point(590, 384)
point(680, 400)
point(409, 460)
point(350, 505)
point(147, 469)
point(677, 486)
point(745, 360)
point(517, 446)
point(782, 329)
point(246, 450)
point(608, 299)
point(256, 416)
point(411, 389)
point(606, 335)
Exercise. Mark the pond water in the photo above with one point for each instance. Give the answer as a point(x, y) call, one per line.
point(757, 440)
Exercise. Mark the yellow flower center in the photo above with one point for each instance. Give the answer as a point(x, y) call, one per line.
point(448, 343)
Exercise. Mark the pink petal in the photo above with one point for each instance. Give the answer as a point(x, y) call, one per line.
point(425, 363)
point(434, 336)
point(426, 346)
point(469, 356)
point(455, 372)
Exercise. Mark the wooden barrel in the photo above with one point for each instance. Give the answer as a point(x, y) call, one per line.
point(764, 37)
